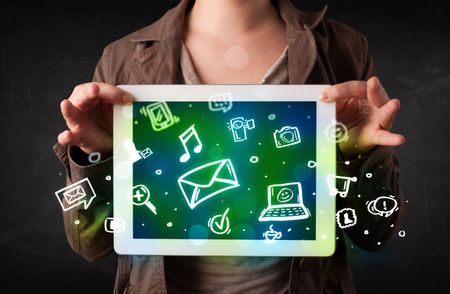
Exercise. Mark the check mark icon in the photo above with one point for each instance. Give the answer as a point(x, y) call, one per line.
point(222, 219)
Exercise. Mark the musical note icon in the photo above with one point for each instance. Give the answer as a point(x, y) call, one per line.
point(184, 138)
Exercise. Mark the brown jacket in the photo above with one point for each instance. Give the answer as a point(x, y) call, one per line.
point(321, 51)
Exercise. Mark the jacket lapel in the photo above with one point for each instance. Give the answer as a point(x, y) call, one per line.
point(157, 51)
point(302, 48)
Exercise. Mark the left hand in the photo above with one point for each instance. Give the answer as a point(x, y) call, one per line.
point(367, 112)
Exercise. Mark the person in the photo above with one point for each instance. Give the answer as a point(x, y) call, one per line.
point(237, 42)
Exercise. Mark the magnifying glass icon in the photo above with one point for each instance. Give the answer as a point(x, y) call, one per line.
point(140, 195)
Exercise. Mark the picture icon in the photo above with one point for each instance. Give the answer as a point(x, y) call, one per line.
point(285, 203)
point(76, 194)
point(114, 225)
point(287, 136)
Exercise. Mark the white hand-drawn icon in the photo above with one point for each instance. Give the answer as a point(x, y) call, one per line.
point(159, 115)
point(94, 157)
point(239, 127)
point(312, 164)
point(346, 217)
point(145, 153)
point(383, 206)
point(220, 102)
point(285, 203)
point(140, 195)
point(114, 225)
point(78, 193)
point(133, 154)
point(207, 180)
point(220, 224)
point(272, 116)
point(271, 235)
point(336, 132)
point(254, 159)
point(184, 138)
point(287, 136)
point(339, 184)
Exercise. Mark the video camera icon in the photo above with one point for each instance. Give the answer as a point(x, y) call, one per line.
point(239, 127)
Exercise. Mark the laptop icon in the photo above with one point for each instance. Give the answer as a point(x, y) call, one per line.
point(285, 203)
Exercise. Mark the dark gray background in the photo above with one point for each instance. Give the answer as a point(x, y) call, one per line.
point(46, 48)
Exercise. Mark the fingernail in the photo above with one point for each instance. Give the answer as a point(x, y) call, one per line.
point(323, 97)
point(127, 99)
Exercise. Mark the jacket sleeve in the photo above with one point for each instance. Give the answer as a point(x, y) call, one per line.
point(377, 175)
point(85, 227)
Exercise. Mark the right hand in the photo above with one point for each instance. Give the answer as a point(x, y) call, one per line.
point(89, 116)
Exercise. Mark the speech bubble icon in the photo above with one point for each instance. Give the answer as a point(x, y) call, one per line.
point(220, 102)
point(382, 206)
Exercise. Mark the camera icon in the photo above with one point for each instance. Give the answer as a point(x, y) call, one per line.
point(239, 127)
point(287, 136)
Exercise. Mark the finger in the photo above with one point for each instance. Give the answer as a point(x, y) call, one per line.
point(85, 95)
point(344, 91)
point(70, 113)
point(65, 138)
point(376, 94)
point(386, 138)
point(386, 114)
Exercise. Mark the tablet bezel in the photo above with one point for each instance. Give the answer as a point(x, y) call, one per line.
point(323, 245)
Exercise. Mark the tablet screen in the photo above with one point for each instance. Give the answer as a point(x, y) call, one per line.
point(242, 174)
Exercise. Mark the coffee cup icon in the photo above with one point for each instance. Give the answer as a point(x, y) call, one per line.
point(271, 235)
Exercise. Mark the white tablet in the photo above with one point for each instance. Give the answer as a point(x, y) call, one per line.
point(235, 170)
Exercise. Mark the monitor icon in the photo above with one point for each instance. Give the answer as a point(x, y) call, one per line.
point(285, 203)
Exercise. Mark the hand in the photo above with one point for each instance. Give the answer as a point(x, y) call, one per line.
point(367, 112)
point(88, 114)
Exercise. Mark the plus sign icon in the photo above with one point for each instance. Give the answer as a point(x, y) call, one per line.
point(140, 195)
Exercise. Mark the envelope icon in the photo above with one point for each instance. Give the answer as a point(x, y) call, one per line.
point(74, 194)
point(207, 180)
point(146, 153)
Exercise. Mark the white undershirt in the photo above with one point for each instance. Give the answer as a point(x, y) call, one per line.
point(230, 274)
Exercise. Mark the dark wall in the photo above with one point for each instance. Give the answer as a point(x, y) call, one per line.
point(46, 49)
